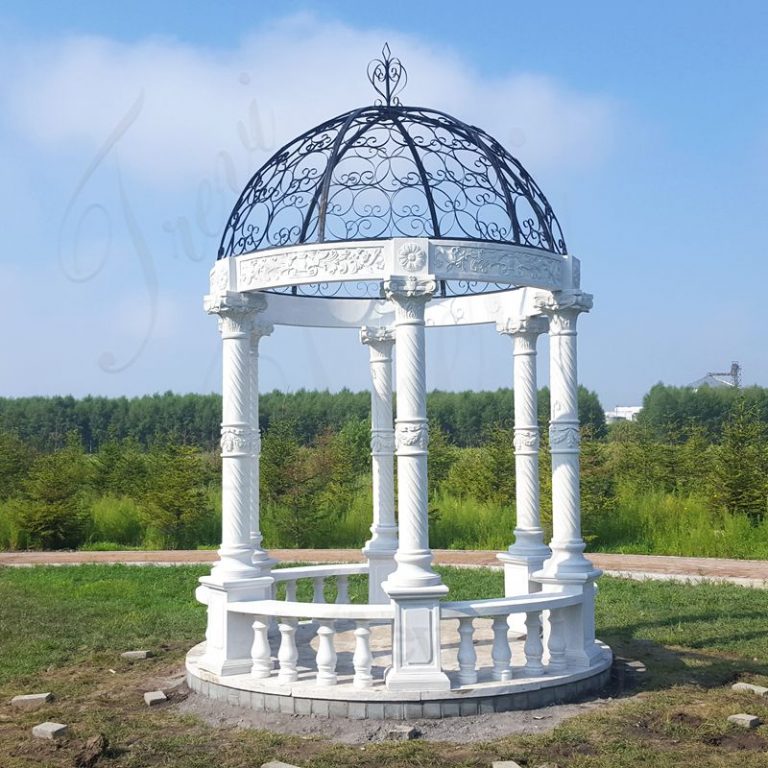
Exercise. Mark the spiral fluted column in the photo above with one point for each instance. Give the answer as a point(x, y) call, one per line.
point(528, 552)
point(415, 589)
point(380, 549)
point(259, 557)
point(563, 309)
point(235, 577)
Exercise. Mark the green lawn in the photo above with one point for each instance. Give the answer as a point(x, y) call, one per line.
point(62, 629)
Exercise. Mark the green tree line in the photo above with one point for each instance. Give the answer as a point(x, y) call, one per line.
point(692, 487)
point(48, 423)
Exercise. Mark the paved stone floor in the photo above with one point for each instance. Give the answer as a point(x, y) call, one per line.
point(747, 572)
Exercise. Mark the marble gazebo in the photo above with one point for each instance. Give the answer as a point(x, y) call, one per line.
point(392, 219)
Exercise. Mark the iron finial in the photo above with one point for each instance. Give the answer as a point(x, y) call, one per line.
point(388, 77)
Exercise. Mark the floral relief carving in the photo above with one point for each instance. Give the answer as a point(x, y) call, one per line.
point(497, 263)
point(239, 441)
point(564, 436)
point(412, 436)
point(526, 438)
point(383, 442)
point(412, 257)
point(319, 263)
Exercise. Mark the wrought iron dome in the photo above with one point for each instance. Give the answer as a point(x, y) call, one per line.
point(389, 170)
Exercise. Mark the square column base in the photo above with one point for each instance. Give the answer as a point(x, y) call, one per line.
point(416, 664)
point(518, 573)
point(381, 565)
point(581, 647)
point(229, 636)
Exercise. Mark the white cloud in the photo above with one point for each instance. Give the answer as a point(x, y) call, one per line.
point(191, 103)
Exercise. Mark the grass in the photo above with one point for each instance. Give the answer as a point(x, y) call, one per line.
point(62, 629)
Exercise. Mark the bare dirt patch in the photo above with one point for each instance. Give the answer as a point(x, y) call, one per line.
point(453, 729)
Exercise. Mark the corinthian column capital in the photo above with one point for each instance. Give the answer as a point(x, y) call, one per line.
point(563, 309)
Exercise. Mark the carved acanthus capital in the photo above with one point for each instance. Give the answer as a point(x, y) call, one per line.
point(259, 330)
point(236, 310)
point(411, 436)
point(410, 295)
point(240, 441)
point(533, 325)
point(563, 309)
point(375, 336)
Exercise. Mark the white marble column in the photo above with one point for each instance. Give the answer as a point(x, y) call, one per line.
point(527, 553)
point(567, 568)
point(380, 549)
point(260, 558)
point(234, 577)
point(414, 587)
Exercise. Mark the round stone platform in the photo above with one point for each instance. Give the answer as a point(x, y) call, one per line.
point(305, 697)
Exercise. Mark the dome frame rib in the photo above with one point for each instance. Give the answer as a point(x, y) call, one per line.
point(386, 171)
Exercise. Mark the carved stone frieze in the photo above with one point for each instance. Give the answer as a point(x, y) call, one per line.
point(320, 263)
point(220, 277)
point(410, 435)
point(495, 263)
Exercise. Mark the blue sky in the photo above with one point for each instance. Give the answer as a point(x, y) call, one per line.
point(126, 131)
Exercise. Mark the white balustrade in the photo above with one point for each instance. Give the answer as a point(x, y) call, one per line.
point(331, 619)
point(467, 657)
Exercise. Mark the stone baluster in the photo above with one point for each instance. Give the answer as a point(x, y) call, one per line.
point(318, 593)
point(288, 654)
point(326, 653)
point(500, 652)
point(533, 648)
point(362, 659)
point(380, 549)
point(556, 642)
point(290, 590)
point(414, 587)
point(261, 653)
point(342, 590)
point(467, 657)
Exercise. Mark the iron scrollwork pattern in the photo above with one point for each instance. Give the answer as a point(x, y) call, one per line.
point(390, 170)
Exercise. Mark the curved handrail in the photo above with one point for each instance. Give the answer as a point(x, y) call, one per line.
point(315, 571)
point(540, 601)
point(296, 610)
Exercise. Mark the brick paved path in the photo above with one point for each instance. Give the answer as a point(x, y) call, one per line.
point(746, 572)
